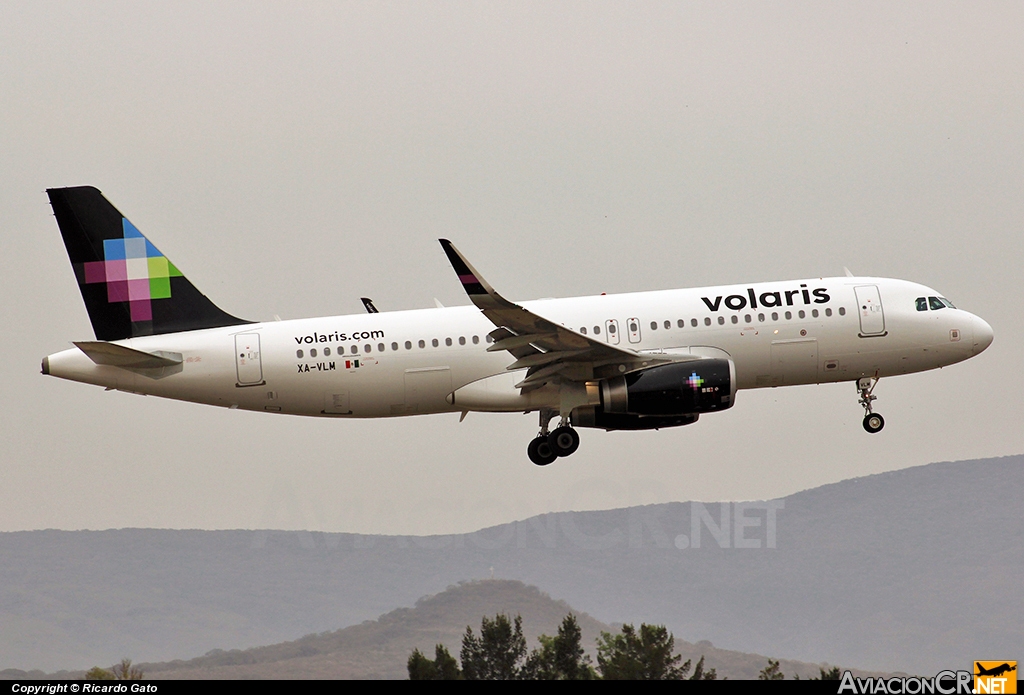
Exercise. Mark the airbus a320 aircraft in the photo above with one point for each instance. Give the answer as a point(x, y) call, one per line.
point(639, 361)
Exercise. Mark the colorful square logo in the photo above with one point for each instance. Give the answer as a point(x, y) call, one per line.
point(134, 272)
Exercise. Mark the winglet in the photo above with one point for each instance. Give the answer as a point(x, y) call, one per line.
point(478, 289)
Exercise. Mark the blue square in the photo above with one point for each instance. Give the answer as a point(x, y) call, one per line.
point(130, 231)
point(135, 248)
point(113, 249)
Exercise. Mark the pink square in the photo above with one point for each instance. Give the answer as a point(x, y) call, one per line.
point(95, 271)
point(142, 310)
point(138, 289)
point(117, 291)
point(117, 270)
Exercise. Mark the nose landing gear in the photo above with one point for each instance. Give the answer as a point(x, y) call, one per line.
point(873, 422)
point(547, 446)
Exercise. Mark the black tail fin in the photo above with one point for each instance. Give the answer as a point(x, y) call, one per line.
point(129, 287)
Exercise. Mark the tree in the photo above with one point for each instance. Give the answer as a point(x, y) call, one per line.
point(644, 655)
point(771, 672)
point(699, 674)
point(98, 674)
point(498, 654)
point(123, 671)
point(832, 674)
point(442, 668)
point(560, 657)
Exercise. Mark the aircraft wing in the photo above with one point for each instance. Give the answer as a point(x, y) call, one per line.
point(549, 350)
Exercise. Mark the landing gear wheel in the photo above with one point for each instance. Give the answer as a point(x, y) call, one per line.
point(873, 423)
point(540, 451)
point(564, 441)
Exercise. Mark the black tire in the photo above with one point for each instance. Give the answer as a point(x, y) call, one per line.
point(564, 441)
point(540, 451)
point(874, 423)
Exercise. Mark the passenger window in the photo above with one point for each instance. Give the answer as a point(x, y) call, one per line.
point(760, 317)
point(814, 313)
point(789, 315)
point(394, 346)
point(746, 318)
point(583, 330)
point(707, 321)
point(922, 304)
point(668, 325)
point(422, 344)
point(611, 328)
point(654, 325)
point(476, 340)
point(380, 347)
point(298, 353)
point(693, 322)
point(597, 330)
point(408, 345)
point(327, 352)
point(489, 338)
point(842, 311)
point(448, 342)
point(633, 327)
point(828, 312)
point(802, 314)
point(735, 318)
point(934, 303)
point(681, 323)
point(368, 348)
point(775, 316)
point(355, 349)
point(312, 353)
point(721, 320)
point(462, 340)
point(434, 342)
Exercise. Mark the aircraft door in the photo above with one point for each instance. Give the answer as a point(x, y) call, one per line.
point(869, 308)
point(611, 331)
point(426, 389)
point(634, 330)
point(794, 362)
point(248, 363)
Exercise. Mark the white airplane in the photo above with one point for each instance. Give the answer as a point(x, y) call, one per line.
point(636, 361)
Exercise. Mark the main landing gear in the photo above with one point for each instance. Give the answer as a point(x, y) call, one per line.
point(873, 422)
point(547, 446)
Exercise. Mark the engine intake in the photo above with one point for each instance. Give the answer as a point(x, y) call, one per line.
point(685, 388)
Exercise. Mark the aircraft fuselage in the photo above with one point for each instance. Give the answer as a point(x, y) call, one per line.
point(412, 362)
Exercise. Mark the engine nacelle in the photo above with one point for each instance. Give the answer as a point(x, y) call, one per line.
point(593, 416)
point(684, 388)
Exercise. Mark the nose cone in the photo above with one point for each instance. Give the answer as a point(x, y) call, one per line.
point(982, 335)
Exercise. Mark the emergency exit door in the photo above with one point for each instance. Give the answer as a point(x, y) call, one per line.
point(248, 363)
point(869, 308)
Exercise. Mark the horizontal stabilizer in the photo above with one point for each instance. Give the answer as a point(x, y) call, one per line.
point(154, 364)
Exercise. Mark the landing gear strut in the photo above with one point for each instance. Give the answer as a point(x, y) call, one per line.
point(547, 446)
point(873, 422)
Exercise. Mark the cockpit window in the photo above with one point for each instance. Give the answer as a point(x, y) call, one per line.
point(935, 303)
point(922, 304)
point(947, 302)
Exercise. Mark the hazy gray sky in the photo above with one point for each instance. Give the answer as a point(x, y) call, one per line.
point(290, 158)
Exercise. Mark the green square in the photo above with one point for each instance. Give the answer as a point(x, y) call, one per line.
point(172, 271)
point(159, 288)
point(157, 267)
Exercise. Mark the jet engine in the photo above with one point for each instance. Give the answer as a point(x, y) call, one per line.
point(668, 395)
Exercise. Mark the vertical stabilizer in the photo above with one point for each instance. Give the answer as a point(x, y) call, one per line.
point(130, 288)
